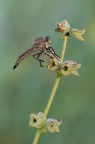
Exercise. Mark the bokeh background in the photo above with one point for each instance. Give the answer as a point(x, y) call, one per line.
point(27, 89)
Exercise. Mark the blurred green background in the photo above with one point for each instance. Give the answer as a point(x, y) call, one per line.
point(27, 89)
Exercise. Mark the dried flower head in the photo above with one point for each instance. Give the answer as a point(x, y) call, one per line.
point(66, 68)
point(70, 67)
point(53, 125)
point(63, 26)
point(49, 124)
point(78, 34)
point(35, 120)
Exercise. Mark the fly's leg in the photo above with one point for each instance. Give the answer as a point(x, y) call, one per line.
point(36, 56)
point(42, 62)
point(51, 50)
point(48, 58)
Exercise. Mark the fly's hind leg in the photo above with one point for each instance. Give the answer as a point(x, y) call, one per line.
point(47, 60)
point(36, 56)
point(42, 62)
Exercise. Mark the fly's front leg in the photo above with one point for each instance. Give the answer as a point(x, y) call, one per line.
point(51, 50)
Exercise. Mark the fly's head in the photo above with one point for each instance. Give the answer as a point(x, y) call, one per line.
point(48, 41)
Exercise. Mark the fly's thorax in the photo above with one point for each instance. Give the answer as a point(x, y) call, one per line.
point(41, 43)
point(38, 42)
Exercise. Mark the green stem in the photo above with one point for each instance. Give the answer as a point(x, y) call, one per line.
point(37, 136)
point(51, 98)
point(56, 83)
point(52, 94)
point(63, 50)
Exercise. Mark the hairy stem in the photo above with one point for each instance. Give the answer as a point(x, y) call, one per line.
point(52, 94)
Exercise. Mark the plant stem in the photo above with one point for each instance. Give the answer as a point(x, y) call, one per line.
point(55, 84)
point(52, 94)
point(37, 136)
point(63, 49)
point(51, 98)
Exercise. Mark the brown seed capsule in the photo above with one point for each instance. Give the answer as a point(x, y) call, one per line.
point(62, 26)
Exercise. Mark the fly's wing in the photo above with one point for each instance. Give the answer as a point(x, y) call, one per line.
point(38, 39)
point(23, 56)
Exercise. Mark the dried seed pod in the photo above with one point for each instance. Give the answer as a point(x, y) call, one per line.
point(63, 26)
point(35, 120)
point(78, 34)
point(70, 67)
point(53, 125)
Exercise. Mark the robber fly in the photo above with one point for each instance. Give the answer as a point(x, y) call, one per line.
point(40, 46)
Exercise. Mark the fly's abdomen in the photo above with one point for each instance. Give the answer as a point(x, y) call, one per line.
point(22, 57)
